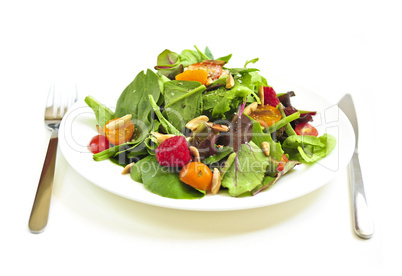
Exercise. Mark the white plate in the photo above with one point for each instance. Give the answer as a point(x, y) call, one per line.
point(78, 127)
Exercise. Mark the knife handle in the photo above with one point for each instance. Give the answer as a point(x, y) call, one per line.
point(363, 223)
point(40, 208)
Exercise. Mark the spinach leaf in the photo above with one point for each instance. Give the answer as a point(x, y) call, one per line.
point(103, 114)
point(208, 53)
point(225, 58)
point(204, 56)
point(167, 126)
point(162, 81)
point(138, 168)
point(134, 100)
point(248, 170)
point(183, 102)
point(116, 150)
point(162, 180)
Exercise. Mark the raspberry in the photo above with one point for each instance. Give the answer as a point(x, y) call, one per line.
point(270, 96)
point(173, 152)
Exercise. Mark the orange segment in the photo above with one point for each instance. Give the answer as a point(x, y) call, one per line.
point(199, 75)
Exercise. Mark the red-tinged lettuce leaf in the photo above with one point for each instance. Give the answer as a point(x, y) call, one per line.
point(240, 132)
point(289, 109)
point(285, 98)
point(168, 64)
point(204, 138)
point(247, 171)
point(268, 181)
point(207, 147)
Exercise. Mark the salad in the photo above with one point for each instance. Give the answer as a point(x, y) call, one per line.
point(195, 126)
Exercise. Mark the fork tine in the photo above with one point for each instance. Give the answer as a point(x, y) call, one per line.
point(72, 97)
point(60, 99)
point(58, 103)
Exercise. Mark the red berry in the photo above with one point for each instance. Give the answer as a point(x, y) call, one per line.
point(173, 152)
point(270, 96)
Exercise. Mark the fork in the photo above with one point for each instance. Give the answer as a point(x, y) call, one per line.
point(56, 107)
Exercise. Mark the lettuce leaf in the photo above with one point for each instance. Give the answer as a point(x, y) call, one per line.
point(220, 101)
point(259, 136)
point(271, 180)
point(307, 148)
point(247, 171)
point(220, 154)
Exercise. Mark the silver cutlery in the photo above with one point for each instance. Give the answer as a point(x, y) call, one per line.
point(362, 220)
point(56, 108)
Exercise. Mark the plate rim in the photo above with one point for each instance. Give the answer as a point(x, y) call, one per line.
point(193, 204)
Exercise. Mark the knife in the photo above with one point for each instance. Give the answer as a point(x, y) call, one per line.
point(362, 220)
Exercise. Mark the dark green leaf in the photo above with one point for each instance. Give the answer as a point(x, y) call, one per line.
point(161, 180)
point(135, 100)
point(103, 114)
point(167, 126)
point(183, 102)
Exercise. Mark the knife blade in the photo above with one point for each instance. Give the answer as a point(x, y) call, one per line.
point(362, 220)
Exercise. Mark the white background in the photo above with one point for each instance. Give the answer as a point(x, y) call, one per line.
point(332, 47)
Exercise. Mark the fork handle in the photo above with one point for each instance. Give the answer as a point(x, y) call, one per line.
point(363, 224)
point(40, 208)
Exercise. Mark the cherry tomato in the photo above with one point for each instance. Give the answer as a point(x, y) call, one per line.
point(197, 175)
point(266, 115)
point(306, 129)
point(120, 135)
point(213, 68)
point(98, 143)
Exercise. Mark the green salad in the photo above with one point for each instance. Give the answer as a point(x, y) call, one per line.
point(193, 125)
